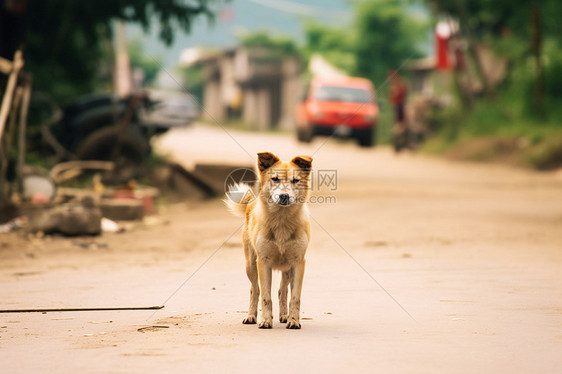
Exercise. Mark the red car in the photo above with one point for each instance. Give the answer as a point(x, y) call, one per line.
point(344, 107)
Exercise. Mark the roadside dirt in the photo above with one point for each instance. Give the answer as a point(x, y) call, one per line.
point(544, 154)
point(469, 254)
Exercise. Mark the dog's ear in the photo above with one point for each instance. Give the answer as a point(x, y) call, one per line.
point(303, 162)
point(266, 160)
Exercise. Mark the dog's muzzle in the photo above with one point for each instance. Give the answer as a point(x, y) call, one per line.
point(284, 199)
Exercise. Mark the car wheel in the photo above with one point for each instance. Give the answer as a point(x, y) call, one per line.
point(366, 138)
point(305, 134)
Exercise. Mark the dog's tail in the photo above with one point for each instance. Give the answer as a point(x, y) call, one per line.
point(238, 197)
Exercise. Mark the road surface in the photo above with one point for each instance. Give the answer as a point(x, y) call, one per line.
point(416, 265)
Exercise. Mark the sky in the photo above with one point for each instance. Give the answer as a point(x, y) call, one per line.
point(279, 17)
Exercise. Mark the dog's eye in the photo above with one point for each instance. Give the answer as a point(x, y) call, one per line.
point(275, 179)
point(295, 180)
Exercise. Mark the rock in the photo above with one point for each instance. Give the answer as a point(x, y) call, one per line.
point(66, 219)
point(122, 209)
point(186, 183)
point(215, 175)
point(80, 196)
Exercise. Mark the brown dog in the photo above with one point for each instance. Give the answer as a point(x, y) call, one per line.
point(276, 235)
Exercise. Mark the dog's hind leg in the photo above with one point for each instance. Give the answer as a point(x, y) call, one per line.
point(252, 272)
point(283, 290)
point(293, 321)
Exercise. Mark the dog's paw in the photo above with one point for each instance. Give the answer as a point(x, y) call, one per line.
point(293, 324)
point(283, 319)
point(266, 325)
point(250, 320)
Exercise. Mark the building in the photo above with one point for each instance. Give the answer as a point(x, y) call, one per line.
point(259, 85)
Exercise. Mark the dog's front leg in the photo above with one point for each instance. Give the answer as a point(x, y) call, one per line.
point(264, 272)
point(296, 288)
point(283, 289)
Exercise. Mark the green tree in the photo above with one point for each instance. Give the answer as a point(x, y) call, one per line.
point(337, 45)
point(264, 39)
point(149, 65)
point(522, 31)
point(194, 80)
point(386, 38)
point(67, 40)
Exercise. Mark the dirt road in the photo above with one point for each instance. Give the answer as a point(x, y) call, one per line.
point(416, 265)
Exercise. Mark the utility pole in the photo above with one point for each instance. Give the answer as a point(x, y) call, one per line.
point(123, 83)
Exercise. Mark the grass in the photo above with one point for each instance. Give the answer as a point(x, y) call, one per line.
point(386, 121)
point(498, 130)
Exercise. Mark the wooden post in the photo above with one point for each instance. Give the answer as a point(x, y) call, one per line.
point(10, 87)
point(6, 143)
point(16, 66)
point(24, 109)
point(123, 80)
point(10, 128)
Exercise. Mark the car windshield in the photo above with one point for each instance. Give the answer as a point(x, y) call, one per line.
point(334, 93)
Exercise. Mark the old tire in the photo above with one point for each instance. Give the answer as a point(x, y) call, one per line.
point(128, 150)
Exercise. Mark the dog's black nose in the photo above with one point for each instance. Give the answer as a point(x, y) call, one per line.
point(284, 199)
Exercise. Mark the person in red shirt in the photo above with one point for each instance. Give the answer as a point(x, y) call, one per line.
point(398, 94)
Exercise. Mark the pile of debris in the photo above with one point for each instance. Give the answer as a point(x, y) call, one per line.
point(45, 207)
point(75, 211)
point(83, 212)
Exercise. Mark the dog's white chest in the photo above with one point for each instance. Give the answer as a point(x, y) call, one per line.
point(281, 252)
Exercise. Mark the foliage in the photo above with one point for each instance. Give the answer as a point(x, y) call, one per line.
point(149, 65)
point(482, 18)
point(264, 39)
point(381, 38)
point(66, 40)
point(525, 111)
point(337, 45)
point(386, 38)
point(498, 130)
point(194, 81)
point(527, 33)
